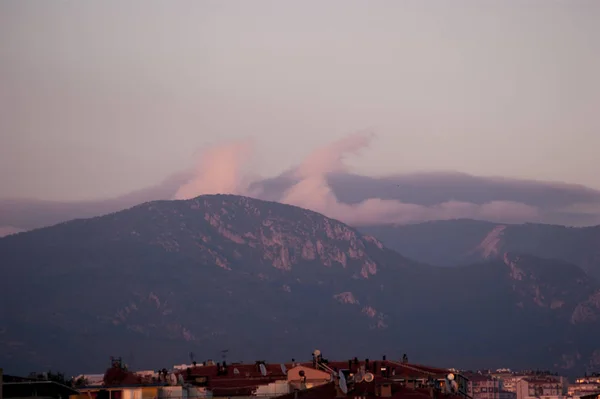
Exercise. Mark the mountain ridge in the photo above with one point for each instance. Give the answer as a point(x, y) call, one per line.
point(270, 280)
point(464, 240)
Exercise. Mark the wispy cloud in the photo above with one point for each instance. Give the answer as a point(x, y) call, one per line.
point(219, 169)
point(314, 192)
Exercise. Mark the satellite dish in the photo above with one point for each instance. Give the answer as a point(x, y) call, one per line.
point(263, 369)
point(369, 377)
point(236, 371)
point(283, 369)
point(316, 352)
point(342, 382)
point(450, 377)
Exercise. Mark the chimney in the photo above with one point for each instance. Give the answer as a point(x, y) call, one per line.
point(384, 358)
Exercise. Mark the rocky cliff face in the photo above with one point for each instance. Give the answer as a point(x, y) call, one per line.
point(267, 280)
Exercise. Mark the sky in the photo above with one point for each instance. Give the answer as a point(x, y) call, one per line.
point(99, 98)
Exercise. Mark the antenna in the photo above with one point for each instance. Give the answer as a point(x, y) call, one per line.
point(283, 368)
point(263, 369)
point(342, 382)
point(131, 359)
point(369, 377)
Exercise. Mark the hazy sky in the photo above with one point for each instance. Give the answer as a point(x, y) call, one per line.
point(102, 97)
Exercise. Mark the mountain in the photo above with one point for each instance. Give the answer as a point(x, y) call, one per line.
point(267, 280)
point(455, 242)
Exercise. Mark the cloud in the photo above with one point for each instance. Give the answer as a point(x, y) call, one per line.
point(219, 170)
point(330, 158)
point(324, 183)
point(312, 191)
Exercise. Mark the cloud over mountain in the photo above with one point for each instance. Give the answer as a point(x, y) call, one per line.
point(219, 169)
point(325, 183)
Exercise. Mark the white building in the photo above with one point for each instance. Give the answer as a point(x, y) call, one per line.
point(540, 387)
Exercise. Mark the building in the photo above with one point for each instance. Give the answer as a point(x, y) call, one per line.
point(89, 380)
point(133, 392)
point(489, 386)
point(508, 378)
point(261, 379)
point(368, 390)
point(36, 389)
point(585, 386)
point(536, 387)
point(484, 386)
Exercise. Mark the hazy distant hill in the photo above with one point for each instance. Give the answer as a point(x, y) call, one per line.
point(455, 242)
point(267, 280)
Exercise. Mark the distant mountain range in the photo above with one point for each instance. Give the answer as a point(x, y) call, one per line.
point(455, 242)
point(267, 280)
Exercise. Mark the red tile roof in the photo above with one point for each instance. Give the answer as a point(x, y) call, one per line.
point(243, 383)
point(401, 369)
point(274, 369)
point(245, 371)
point(248, 377)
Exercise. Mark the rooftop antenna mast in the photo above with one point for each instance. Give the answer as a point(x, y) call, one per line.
point(116, 362)
point(131, 360)
point(224, 353)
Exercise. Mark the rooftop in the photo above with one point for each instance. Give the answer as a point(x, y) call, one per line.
point(24, 389)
